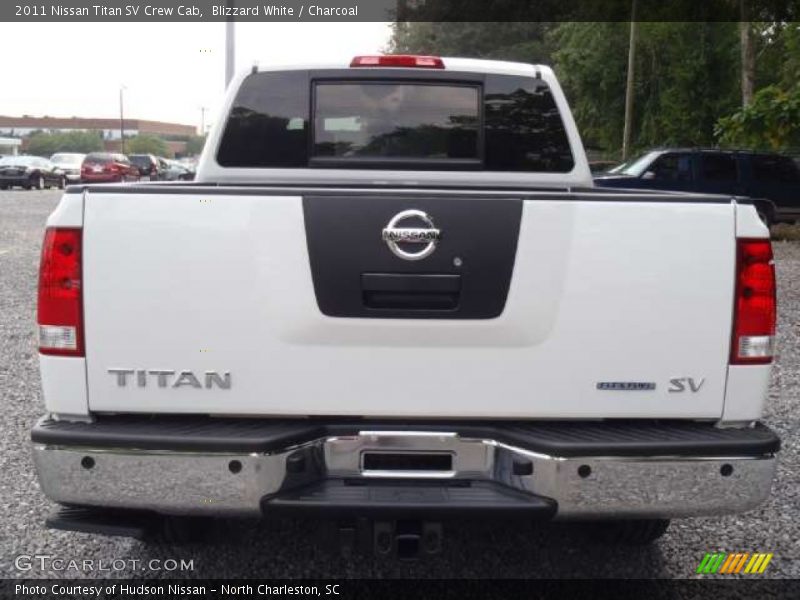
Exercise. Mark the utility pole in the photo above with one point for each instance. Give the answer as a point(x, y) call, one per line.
point(202, 120)
point(748, 54)
point(121, 120)
point(628, 128)
point(230, 46)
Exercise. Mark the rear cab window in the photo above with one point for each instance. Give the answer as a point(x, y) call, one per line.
point(356, 122)
point(306, 119)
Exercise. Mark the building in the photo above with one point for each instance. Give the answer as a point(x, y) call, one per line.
point(23, 126)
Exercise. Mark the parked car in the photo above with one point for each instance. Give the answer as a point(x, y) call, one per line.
point(473, 329)
point(177, 171)
point(771, 180)
point(30, 172)
point(190, 162)
point(148, 165)
point(163, 166)
point(601, 166)
point(108, 167)
point(70, 165)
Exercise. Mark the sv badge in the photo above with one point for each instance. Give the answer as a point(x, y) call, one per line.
point(681, 384)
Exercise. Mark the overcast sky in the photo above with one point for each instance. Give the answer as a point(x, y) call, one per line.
point(169, 70)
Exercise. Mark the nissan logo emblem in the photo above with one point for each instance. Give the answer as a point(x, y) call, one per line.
point(394, 235)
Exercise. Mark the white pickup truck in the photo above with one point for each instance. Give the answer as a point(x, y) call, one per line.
point(392, 292)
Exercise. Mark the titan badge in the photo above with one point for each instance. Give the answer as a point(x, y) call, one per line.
point(394, 235)
point(167, 378)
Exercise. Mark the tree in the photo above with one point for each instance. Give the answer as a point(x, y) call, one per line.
point(591, 64)
point(686, 77)
point(627, 131)
point(770, 122)
point(777, 47)
point(524, 41)
point(688, 74)
point(145, 143)
point(748, 59)
point(194, 145)
point(43, 143)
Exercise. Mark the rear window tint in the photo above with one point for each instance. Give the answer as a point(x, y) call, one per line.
point(268, 124)
point(508, 123)
point(523, 128)
point(775, 169)
point(718, 167)
point(671, 167)
point(394, 120)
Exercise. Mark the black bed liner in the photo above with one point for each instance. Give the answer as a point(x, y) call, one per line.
point(556, 438)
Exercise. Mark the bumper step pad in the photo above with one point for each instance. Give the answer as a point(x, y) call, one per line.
point(341, 499)
point(125, 523)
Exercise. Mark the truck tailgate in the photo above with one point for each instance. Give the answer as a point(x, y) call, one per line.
point(257, 302)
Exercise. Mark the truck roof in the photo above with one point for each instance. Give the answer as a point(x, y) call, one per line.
point(472, 65)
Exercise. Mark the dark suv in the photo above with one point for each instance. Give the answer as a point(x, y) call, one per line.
point(147, 165)
point(771, 180)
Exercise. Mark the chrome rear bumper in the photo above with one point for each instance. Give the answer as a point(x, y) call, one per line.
point(237, 483)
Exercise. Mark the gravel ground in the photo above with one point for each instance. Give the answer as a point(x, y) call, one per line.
point(295, 548)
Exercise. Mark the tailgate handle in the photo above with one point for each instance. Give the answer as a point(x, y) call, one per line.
point(402, 291)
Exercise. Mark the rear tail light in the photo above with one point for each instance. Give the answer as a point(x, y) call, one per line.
point(755, 306)
point(60, 311)
point(398, 60)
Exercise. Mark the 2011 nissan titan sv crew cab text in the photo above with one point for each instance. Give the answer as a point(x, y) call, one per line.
point(392, 292)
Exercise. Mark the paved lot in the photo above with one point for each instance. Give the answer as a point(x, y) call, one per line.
point(294, 548)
